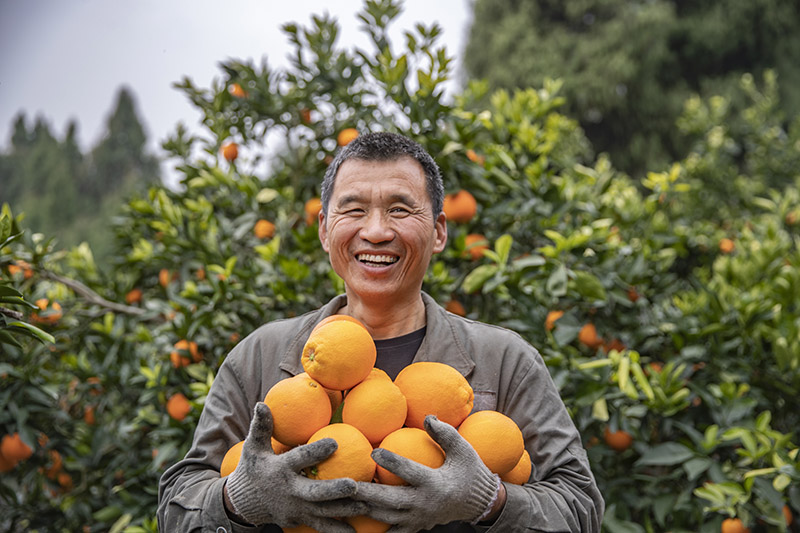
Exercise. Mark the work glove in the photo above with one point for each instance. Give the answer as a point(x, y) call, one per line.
point(267, 488)
point(462, 489)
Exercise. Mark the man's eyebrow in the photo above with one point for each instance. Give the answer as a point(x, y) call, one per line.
point(396, 197)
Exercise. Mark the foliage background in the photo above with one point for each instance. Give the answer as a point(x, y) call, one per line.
point(698, 345)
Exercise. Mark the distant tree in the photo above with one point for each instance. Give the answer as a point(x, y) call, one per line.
point(629, 65)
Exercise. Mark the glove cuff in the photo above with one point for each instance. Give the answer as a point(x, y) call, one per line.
point(484, 495)
point(245, 500)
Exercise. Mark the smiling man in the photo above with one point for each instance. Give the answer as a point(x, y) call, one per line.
point(381, 222)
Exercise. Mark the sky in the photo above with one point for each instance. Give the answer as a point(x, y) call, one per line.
point(66, 59)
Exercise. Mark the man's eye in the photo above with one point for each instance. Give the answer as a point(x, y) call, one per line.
point(399, 211)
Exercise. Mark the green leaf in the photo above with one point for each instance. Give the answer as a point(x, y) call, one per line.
point(666, 454)
point(588, 286)
point(503, 247)
point(33, 331)
point(266, 195)
point(475, 279)
point(556, 284)
point(696, 466)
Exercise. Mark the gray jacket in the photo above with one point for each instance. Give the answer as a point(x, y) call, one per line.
point(506, 373)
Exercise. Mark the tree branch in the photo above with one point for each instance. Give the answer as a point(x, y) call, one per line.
point(92, 296)
point(10, 312)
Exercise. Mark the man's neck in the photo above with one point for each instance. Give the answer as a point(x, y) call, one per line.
point(386, 320)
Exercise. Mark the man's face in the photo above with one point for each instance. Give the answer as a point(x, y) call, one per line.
point(379, 231)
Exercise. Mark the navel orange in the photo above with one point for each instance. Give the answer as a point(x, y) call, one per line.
point(351, 459)
point(376, 407)
point(520, 474)
point(414, 444)
point(339, 354)
point(300, 406)
point(496, 437)
point(231, 459)
point(433, 388)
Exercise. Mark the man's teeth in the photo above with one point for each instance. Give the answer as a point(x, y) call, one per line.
point(369, 258)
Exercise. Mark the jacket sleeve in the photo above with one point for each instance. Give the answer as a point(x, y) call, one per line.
point(190, 492)
point(561, 495)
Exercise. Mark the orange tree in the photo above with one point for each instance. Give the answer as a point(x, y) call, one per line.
point(678, 359)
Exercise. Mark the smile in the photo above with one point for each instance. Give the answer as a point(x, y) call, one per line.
point(377, 259)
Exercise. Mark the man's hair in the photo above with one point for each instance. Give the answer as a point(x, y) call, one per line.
point(385, 146)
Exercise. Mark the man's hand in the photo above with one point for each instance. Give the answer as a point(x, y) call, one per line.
point(462, 489)
point(268, 488)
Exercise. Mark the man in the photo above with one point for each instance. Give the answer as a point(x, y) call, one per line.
point(380, 224)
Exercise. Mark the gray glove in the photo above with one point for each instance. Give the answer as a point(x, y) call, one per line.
point(462, 489)
point(268, 488)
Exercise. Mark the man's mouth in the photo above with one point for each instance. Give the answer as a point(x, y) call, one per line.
point(377, 259)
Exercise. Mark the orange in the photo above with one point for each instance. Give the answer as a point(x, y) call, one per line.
point(377, 373)
point(52, 312)
point(21, 266)
point(305, 115)
point(185, 353)
point(726, 245)
point(264, 229)
point(236, 90)
point(474, 245)
point(787, 515)
point(619, 440)
point(588, 336)
point(134, 296)
point(65, 480)
point(475, 158)
point(333, 318)
point(433, 388)
point(365, 524)
point(455, 307)
point(88, 415)
point(164, 277)
point(178, 406)
point(346, 136)
point(733, 525)
point(339, 354)
point(279, 447)
point(613, 344)
point(7, 465)
point(633, 294)
point(14, 449)
point(351, 459)
point(376, 407)
point(230, 151)
point(520, 474)
point(411, 443)
point(312, 209)
point(57, 463)
point(460, 207)
point(496, 437)
point(335, 396)
point(550, 321)
point(231, 459)
point(300, 407)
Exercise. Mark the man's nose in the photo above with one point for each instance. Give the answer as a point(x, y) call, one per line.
point(376, 227)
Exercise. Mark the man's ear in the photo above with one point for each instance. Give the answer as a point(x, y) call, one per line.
point(440, 227)
point(322, 230)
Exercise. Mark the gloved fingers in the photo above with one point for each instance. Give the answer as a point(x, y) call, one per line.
point(326, 490)
point(447, 437)
point(260, 434)
point(413, 472)
point(307, 455)
point(337, 508)
point(378, 495)
point(328, 524)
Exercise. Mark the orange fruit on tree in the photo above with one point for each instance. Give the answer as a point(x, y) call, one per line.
point(164, 277)
point(521, 473)
point(14, 449)
point(456, 307)
point(346, 136)
point(733, 525)
point(51, 312)
point(588, 336)
point(726, 245)
point(787, 515)
point(56, 465)
point(230, 151)
point(21, 266)
point(236, 90)
point(7, 465)
point(433, 388)
point(366, 524)
point(474, 245)
point(312, 208)
point(300, 407)
point(339, 354)
point(333, 318)
point(411, 443)
point(496, 437)
point(619, 440)
point(178, 406)
point(376, 407)
point(305, 115)
point(134, 296)
point(475, 157)
point(351, 459)
point(264, 229)
point(460, 207)
point(231, 459)
point(552, 316)
point(184, 353)
point(302, 528)
point(613, 344)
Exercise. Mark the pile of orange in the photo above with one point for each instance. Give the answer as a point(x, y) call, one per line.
point(341, 395)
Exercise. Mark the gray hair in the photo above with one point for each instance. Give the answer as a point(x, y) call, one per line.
point(385, 146)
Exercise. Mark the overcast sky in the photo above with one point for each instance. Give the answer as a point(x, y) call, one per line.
point(66, 59)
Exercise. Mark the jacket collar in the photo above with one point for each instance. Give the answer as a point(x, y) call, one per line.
point(441, 344)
